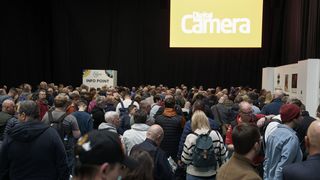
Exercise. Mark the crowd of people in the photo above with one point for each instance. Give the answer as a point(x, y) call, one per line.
point(155, 132)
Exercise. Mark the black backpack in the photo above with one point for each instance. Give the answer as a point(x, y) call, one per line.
point(263, 131)
point(124, 111)
point(64, 129)
point(124, 124)
point(203, 154)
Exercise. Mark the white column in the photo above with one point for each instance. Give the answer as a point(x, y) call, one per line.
point(267, 79)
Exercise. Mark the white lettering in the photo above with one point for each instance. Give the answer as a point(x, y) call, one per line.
point(226, 26)
point(202, 23)
point(245, 27)
point(184, 24)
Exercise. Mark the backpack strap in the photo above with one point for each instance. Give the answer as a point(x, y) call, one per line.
point(195, 133)
point(276, 120)
point(208, 133)
point(121, 103)
point(61, 118)
point(132, 101)
point(60, 121)
point(50, 116)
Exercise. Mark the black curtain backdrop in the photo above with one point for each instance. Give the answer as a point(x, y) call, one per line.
point(54, 40)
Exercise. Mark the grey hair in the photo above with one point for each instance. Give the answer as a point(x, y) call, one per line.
point(100, 100)
point(110, 116)
point(6, 103)
point(29, 108)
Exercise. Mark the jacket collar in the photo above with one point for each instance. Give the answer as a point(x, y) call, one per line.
point(170, 112)
point(243, 158)
point(151, 142)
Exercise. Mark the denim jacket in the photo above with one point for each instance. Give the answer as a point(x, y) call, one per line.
point(282, 148)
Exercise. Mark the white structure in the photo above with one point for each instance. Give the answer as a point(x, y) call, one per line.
point(99, 78)
point(300, 80)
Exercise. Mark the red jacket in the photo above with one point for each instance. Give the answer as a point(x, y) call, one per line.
point(258, 159)
point(43, 107)
point(230, 128)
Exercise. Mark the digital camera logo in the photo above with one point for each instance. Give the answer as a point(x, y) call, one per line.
point(203, 23)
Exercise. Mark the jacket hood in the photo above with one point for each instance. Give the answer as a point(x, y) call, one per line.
point(140, 127)
point(27, 131)
point(108, 126)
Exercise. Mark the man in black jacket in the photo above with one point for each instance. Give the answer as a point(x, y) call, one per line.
point(32, 150)
point(162, 169)
point(172, 125)
point(303, 126)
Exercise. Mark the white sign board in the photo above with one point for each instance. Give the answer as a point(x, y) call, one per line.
point(300, 80)
point(99, 78)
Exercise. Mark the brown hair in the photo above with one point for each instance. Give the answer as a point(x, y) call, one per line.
point(244, 137)
point(60, 101)
point(144, 171)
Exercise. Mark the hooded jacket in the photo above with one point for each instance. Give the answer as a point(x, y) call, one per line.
point(33, 150)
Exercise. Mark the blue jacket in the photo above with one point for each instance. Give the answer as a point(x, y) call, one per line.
point(282, 148)
point(308, 169)
point(187, 130)
point(85, 121)
point(272, 108)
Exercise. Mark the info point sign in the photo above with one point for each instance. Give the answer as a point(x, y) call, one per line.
point(216, 23)
point(98, 78)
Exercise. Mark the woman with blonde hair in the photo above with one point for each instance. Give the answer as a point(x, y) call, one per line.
point(268, 97)
point(203, 163)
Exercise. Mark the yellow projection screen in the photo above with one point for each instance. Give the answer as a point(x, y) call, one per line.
point(216, 23)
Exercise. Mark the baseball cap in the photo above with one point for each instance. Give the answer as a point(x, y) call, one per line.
point(100, 146)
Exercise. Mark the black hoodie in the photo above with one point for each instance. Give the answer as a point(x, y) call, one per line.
point(32, 150)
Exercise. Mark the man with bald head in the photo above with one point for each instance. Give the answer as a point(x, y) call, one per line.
point(308, 169)
point(162, 169)
point(8, 110)
point(274, 106)
point(245, 116)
